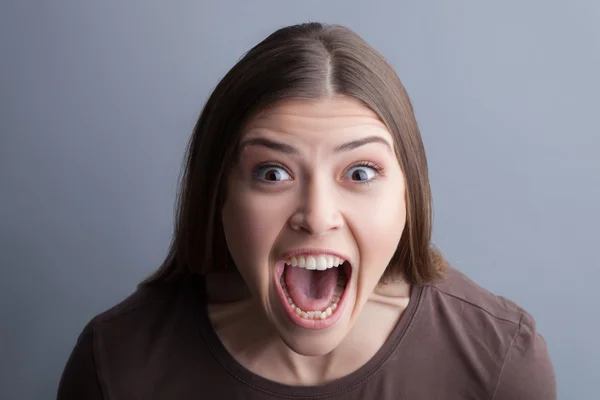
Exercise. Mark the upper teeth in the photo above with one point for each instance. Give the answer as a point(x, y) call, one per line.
point(321, 262)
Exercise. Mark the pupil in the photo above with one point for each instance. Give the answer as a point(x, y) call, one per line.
point(272, 175)
point(360, 175)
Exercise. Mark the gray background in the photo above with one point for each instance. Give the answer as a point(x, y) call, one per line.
point(99, 98)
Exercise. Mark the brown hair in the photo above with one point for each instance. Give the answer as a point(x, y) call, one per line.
point(307, 61)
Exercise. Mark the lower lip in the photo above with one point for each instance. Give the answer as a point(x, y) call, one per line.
point(304, 322)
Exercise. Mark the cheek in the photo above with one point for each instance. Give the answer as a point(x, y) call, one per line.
point(242, 226)
point(252, 225)
point(391, 216)
point(379, 228)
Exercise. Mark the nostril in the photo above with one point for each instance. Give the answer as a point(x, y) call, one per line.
point(315, 223)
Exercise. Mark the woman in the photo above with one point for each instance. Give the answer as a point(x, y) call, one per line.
point(301, 264)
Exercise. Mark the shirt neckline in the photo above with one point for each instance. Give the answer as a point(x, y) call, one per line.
point(346, 383)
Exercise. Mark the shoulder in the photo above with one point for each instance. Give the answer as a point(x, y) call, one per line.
point(473, 311)
point(146, 302)
point(149, 334)
point(457, 286)
point(502, 332)
point(143, 317)
point(144, 330)
point(115, 341)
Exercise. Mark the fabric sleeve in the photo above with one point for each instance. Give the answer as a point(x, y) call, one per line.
point(527, 372)
point(80, 379)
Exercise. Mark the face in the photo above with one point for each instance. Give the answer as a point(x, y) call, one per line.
point(317, 184)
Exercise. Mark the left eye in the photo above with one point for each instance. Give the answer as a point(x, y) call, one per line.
point(361, 173)
point(271, 173)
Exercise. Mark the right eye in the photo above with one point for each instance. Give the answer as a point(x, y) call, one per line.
point(271, 173)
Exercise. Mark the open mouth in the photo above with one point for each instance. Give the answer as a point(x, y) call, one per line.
point(312, 288)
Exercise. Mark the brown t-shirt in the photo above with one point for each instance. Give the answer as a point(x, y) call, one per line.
point(454, 341)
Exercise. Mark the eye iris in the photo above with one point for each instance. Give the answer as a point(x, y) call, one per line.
point(360, 175)
point(272, 175)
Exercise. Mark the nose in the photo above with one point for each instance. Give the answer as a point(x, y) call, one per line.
point(318, 210)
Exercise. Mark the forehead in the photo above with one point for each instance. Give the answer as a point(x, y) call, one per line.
point(304, 116)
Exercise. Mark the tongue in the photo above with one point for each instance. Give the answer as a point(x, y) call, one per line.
point(311, 290)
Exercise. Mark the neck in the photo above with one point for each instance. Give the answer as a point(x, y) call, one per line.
point(252, 340)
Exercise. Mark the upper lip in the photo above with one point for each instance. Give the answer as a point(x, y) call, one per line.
point(311, 251)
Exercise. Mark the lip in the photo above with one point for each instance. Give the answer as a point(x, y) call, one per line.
point(313, 324)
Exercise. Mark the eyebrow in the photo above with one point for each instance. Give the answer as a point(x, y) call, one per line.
point(361, 142)
point(287, 149)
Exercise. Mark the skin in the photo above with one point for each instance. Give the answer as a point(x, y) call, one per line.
point(311, 195)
